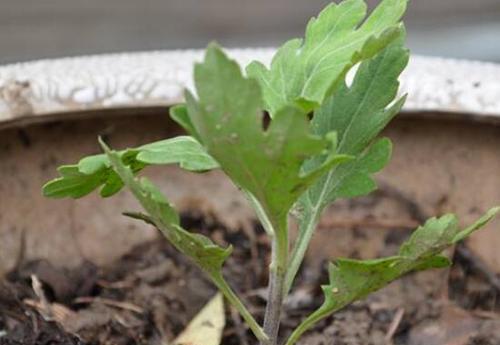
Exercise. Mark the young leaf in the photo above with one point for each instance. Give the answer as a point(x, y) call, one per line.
point(351, 280)
point(182, 150)
point(227, 118)
point(207, 255)
point(267, 163)
point(357, 113)
point(199, 248)
point(304, 72)
point(95, 171)
point(73, 183)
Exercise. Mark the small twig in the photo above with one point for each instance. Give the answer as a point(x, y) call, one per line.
point(59, 312)
point(396, 321)
point(45, 308)
point(49, 312)
point(111, 303)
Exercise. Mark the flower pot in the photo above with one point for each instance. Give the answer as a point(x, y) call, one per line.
point(446, 158)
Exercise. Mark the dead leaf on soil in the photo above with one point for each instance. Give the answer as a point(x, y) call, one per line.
point(207, 326)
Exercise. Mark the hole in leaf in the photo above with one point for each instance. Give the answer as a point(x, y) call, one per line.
point(266, 120)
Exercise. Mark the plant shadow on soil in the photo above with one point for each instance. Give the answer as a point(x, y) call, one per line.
point(150, 294)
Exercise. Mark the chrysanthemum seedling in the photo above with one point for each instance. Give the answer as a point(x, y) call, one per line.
point(321, 145)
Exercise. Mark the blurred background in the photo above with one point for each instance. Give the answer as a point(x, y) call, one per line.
point(53, 28)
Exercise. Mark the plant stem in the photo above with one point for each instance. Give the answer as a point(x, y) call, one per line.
point(226, 290)
point(277, 274)
point(318, 315)
point(306, 230)
point(261, 214)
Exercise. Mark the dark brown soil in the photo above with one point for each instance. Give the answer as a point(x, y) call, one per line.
point(150, 295)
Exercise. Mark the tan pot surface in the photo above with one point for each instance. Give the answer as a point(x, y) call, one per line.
point(443, 160)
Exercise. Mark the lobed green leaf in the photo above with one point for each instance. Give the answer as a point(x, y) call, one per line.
point(351, 280)
point(357, 113)
point(304, 72)
point(95, 171)
point(227, 118)
point(207, 255)
point(199, 248)
point(73, 183)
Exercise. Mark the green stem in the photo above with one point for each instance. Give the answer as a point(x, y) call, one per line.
point(226, 290)
point(261, 214)
point(306, 230)
point(312, 319)
point(277, 274)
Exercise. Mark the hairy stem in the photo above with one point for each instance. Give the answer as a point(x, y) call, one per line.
point(226, 290)
point(277, 274)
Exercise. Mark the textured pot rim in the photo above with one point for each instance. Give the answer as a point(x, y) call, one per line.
point(57, 89)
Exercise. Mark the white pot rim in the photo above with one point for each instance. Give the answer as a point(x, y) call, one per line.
point(56, 88)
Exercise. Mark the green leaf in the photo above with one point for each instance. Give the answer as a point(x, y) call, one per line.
point(354, 279)
point(351, 280)
point(437, 234)
point(140, 216)
point(354, 179)
point(182, 150)
point(73, 183)
point(303, 72)
point(159, 212)
point(95, 171)
point(180, 115)
point(357, 113)
point(207, 255)
point(228, 119)
point(477, 225)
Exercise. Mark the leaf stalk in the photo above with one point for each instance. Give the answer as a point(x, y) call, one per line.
point(233, 299)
